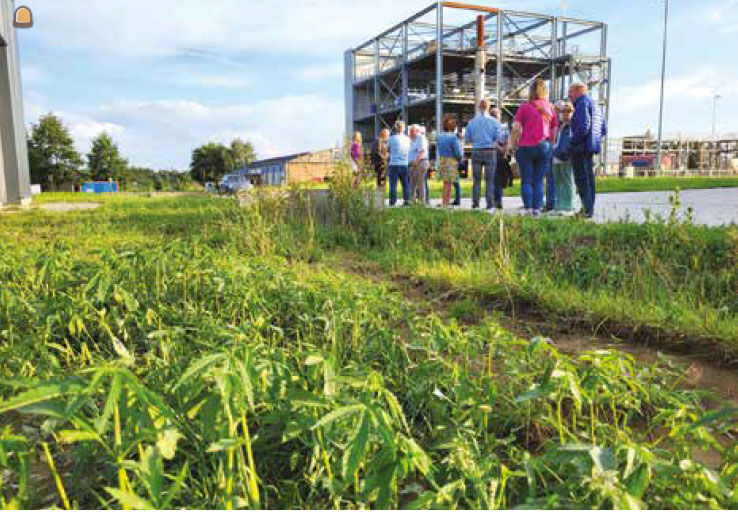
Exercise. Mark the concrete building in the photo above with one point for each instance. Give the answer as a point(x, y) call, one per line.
point(15, 184)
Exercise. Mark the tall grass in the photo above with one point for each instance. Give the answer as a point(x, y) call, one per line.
point(190, 353)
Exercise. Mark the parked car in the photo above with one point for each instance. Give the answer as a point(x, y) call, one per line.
point(233, 183)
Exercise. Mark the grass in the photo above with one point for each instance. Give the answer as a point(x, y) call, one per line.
point(184, 352)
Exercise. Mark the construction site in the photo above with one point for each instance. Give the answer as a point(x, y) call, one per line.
point(447, 57)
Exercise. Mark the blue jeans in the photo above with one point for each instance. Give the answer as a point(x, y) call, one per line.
point(399, 172)
point(534, 162)
point(427, 190)
point(585, 179)
point(457, 192)
point(484, 161)
point(550, 189)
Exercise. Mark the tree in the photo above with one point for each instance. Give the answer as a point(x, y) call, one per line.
point(51, 155)
point(104, 160)
point(210, 162)
point(242, 152)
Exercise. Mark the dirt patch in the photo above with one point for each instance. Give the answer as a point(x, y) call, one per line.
point(570, 335)
point(68, 207)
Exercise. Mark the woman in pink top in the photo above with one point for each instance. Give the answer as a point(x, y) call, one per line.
point(533, 134)
point(357, 159)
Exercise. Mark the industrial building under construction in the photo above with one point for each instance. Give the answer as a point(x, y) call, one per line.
point(445, 58)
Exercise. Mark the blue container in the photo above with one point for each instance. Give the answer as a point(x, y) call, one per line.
point(99, 187)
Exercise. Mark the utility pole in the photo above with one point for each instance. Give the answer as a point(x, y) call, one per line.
point(659, 165)
point(714, 115)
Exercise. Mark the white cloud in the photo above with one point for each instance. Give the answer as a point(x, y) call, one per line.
point(162, 133)
point(688, 104)
point(326, 71)
point(700, 85)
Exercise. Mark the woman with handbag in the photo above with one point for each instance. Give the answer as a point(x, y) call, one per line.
point(449, 155)
point(533, 133)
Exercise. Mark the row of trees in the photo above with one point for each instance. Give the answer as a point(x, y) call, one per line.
point(55, 164)
point(211, 161)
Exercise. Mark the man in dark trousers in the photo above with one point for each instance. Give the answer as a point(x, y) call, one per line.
point(588, 128)
point(482, 133)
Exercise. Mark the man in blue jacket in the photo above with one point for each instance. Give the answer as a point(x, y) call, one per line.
point(588, 128)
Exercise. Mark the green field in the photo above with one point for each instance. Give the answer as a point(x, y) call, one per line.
point(167, 352)
point(610, 185)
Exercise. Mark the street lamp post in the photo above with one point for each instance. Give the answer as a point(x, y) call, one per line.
point(663, 78)
point(714, 114)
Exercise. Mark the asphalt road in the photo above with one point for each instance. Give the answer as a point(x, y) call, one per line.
point(712, 207)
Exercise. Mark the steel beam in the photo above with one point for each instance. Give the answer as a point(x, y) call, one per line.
point(390, 30)
point(15, 183)
point(439, 67)
point(377, 99)
point(349, 72)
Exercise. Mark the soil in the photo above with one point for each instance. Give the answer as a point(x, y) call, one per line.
point(571, 336)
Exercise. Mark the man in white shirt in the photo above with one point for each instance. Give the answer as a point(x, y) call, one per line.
point(399, 148)
point(419, 164)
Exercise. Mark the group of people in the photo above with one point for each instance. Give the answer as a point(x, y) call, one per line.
point(554, 144)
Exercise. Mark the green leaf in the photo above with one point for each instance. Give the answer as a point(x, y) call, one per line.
point(43, 393)
point(197, 367)
point(313, 360)
point(339, 413)
point(129, 499)
point(638, 481)
point(123, 353)
point(222, 445)
point(167, 442)
point(726, 413)
point(110, 403)
point(176, 486)
point(355, 453)
point(152, 472)
point(75, 436)
point(603, 458)
point(536, 391)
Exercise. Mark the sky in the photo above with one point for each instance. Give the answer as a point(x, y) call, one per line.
point(164, 76)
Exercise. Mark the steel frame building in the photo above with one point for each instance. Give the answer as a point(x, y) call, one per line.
point(405, 73)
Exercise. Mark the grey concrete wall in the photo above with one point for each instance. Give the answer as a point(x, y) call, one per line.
point(15, 184)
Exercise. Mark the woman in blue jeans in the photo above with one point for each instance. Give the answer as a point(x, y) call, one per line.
point(533, 134)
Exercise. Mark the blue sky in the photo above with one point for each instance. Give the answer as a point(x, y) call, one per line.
point(163, 76)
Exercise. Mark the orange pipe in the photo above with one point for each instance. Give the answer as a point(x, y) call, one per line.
point(471, 7)
point(480, 31)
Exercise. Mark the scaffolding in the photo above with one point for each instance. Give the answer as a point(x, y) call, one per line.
point(680, 154)
point(425, 66)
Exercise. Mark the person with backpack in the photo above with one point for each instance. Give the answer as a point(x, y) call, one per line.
point(563, 174)
point(588, 128)
point(533, 134)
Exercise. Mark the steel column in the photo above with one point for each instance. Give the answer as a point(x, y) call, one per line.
point(349, 71)
point(15, 182)
point(377, 106)
point(554, 55)
point(404, 74)
point(439, 67)
point(500, 57)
